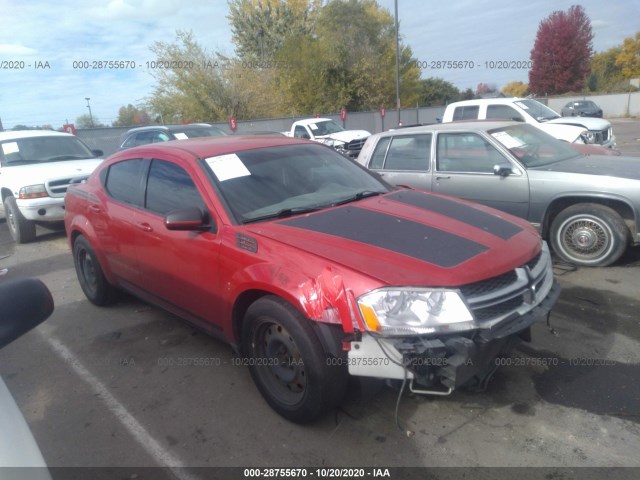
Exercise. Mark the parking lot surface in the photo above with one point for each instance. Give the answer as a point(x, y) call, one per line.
point(131, 385)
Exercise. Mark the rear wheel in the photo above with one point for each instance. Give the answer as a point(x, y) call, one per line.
point(288, 363)
point(589, 234)
point(21, 229)
point(92, 280)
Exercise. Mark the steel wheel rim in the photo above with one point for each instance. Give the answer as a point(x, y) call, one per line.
point(87, 270)
point(11, 220)
point(279, 363)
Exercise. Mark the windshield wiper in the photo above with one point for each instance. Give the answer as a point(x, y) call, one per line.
point(357, 196)
point(60, 158)
point(284, 213)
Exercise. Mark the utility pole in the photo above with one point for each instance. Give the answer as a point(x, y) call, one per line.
point(397, 62)
point(89, 107)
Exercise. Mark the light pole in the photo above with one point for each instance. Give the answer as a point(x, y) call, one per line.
point(89, 107)
point(397, 62)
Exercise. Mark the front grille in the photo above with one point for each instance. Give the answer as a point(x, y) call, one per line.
point(356, 144)
point(514, 292)
point(58, 188)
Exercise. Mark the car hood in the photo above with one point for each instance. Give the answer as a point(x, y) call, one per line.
point(39, 173)
point(409, 237)
point(588, 122)
point(621, 167)
point(347, 135)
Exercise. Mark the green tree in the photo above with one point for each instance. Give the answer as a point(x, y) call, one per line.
point(260, 27)
point(605, 73)
point(131, 115)
point(436, 91)
point(629, 57)
point(194, 89)
point(515, 89)
point(348, 62)
point(88, 121)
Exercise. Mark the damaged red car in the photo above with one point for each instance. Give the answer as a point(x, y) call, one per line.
point(310, 266)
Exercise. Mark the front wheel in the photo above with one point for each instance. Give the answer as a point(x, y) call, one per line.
point(21, 229)
point(288, 363)
point(94, 284)
point(589, 235)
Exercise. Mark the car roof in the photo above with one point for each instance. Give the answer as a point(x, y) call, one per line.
point(16, 134)
point(482, 125)
point(308, 121)
point(497, 100)
point(205, 147)
point(169, 128)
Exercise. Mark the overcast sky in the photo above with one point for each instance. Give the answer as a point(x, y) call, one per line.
point(58, 33)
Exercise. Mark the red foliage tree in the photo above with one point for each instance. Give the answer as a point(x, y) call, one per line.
point(561, 53)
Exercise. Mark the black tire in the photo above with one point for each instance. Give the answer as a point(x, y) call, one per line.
point(288, 363)
point(92, 280)
point(21, 229)
point(590, 235)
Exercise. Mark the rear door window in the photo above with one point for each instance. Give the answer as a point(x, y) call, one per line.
point(123, 181)
point(469, 112)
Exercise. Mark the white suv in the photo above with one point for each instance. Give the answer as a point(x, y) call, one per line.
point(36, 167)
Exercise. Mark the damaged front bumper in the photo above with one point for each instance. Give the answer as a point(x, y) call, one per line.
point(440, 364)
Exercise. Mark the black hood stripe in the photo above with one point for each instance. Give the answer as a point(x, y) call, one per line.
point(464, 213)
point(391, 233)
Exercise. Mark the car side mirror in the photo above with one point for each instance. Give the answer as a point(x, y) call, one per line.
point(25, 303)
point(503, 169)
point(187, 219)
point(97, 153)
point(306, 136)
point(517, 118)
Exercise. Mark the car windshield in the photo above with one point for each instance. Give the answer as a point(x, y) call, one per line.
point(192, 132)
point(23, 151)
point(585, 104)
point(537, 110)
point(533, 147)
point(326, 127)
point(277, 182)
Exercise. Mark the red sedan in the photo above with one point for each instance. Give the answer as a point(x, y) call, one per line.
point(312, 267)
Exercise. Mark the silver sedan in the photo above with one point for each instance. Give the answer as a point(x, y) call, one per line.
point(587, 206)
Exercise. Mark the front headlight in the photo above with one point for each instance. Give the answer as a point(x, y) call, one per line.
point(414, 311)
point(589, 137)
point(33, 191)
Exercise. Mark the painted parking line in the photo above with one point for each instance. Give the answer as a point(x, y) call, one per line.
point(162, 456)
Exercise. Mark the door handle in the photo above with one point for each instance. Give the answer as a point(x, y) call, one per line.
point(443, 177)
point(145, 227)
point(95, 209)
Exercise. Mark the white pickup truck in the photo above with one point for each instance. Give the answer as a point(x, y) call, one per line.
point(36, 167)
point(571, 129)
point(325, 130)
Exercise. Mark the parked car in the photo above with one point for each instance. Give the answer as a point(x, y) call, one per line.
point(163, 133)
point(325, 130)
point(24, 303)
point(581, 108)
point(579, 130)
point(310, 265)
point(587, 206)
point(36, 167)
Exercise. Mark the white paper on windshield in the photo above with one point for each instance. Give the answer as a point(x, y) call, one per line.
point(507, 140)
point(313, 126)
point(10, 147)
point(180, 136)
point(226, 167)
point(522, 105)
